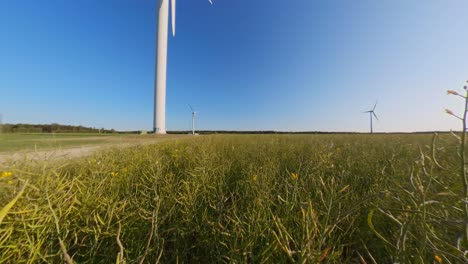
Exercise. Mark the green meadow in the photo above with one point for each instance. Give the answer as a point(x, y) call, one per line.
point(46, 141)
point(240, 199)
point(14, 142)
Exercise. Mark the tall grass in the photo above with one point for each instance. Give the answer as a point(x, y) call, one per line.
point(237, 199)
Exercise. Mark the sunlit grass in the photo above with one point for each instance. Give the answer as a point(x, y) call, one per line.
point(45, 141)
point(320, 198)
point(14, 142)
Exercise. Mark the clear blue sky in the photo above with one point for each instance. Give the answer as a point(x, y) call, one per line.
point(288, 65)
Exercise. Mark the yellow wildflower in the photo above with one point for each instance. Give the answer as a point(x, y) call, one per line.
point(438, 259)
point(10, 182)
point(452, 92)
point(254, 178)
point(6, 174)
point(114, 174)
point(294, 176)
point(408, 207)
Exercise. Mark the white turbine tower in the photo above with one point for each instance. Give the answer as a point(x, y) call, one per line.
point(159, 126)
point(193, 119)
point(371, 116)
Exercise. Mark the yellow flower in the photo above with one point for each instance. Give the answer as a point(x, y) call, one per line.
point(452, 92)
point(10, 182)
point(114, 174)
point(294, 176)
point(438, 259)
point(254, 178)
point(6, 174)
point(408, 207)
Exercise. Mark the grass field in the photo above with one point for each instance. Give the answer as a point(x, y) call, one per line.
point(15, 142)
point(240, 199)
point(43, 141)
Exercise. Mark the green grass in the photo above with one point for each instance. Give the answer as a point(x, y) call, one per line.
point(14, 142)
point(43, 141)
point(236, 199)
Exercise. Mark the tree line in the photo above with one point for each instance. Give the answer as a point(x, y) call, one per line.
point(51, 128)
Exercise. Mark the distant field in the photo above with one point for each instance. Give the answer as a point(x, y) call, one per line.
point(240, 199)
point(19, 142)
point(45, 141)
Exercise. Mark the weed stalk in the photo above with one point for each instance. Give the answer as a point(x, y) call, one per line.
point(463, 167)
point(462, 155)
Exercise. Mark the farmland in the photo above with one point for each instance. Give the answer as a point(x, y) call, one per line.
point(53, 146)
point(10, 142)
point(240, 199)
point(48, 141)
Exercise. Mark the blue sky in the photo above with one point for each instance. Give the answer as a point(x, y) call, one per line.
point(290, 65)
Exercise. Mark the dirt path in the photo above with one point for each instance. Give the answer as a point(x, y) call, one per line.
point(74, 152)
point(68, 153)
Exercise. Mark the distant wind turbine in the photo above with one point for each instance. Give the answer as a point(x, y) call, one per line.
point(159, 125)
point(193, 119)
point(371, 115)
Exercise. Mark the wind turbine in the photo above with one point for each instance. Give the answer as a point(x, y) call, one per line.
point(371, 114)
point(193, 119)
point(159, 125)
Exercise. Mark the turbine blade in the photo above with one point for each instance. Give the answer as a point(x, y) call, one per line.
point(173, 9)
point(375, 106)
point(191, 108)
point(210, 1)
point(375, 115)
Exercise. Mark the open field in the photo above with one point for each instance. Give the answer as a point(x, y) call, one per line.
point(44, 146)
point(240, 199)
point(45, 141)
